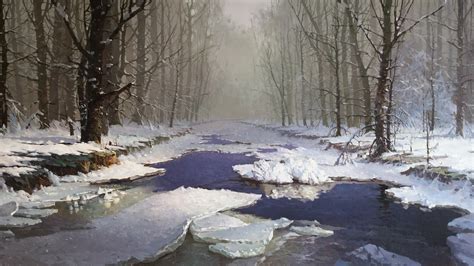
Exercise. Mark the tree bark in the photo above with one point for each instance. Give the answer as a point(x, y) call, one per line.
point(41, 71)
point(177, 66)
point(162, 114)
point(381, 145)
point(17, 48)
point(141, 64)
point(4, 68)
point(347, 108)
point(363, 76)
point(114, 72)
point(460, 83)
point(189, 53)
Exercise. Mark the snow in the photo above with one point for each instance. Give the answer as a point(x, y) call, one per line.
point(414, 190)
point(464, 224)
point(16, 171)
point(461, 248)
point(125, 169)
point(373, 255)
point(142, 232)
point(295, 191)
point(20, 149)
point(306, 172)
point(288, 167)
point(436, 194)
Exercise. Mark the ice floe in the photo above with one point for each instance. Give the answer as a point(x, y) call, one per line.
point(214, 222)
point(233, 238)
point(252, 233)
point(35, 213)
point(238, 250)
point(462, 248)
point(311, 230)
point(373, 255)
point(8, 208)
point(11, 221)
point(464, 224)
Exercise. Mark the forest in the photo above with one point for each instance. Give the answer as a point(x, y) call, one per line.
point(274, 132)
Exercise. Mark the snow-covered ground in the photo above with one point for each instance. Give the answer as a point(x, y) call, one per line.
point(19, 151)
point(318, 163)
point(309, 163)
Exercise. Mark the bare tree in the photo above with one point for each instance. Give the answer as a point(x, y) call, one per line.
point(41, 53)
point(141, 67)
point(92, 69)
point(4, 68)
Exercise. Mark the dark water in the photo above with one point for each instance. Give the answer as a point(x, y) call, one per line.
point(211, 170)
point(78, 217)
point(362, 213)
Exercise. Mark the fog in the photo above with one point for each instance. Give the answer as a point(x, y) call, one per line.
point(289, 62)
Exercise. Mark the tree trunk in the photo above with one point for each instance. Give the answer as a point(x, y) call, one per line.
point(363, 77)
point(177, 66)
point(4, 69)
point(302, 79)
point(114, 72)
point(141, 64)
point(41, 71)
point(162, 114)
point(460, 83)
point(345, 75)
point(189, 52)
point(17, 48)
point(381, 145)
point(337, 73)
point(322, 94)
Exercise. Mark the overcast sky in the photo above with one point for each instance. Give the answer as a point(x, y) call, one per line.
point(241, 11)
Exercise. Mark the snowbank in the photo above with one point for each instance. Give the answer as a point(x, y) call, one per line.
point(124, 170)
point(295, 191)
point(436, 194)
point(284, 168)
